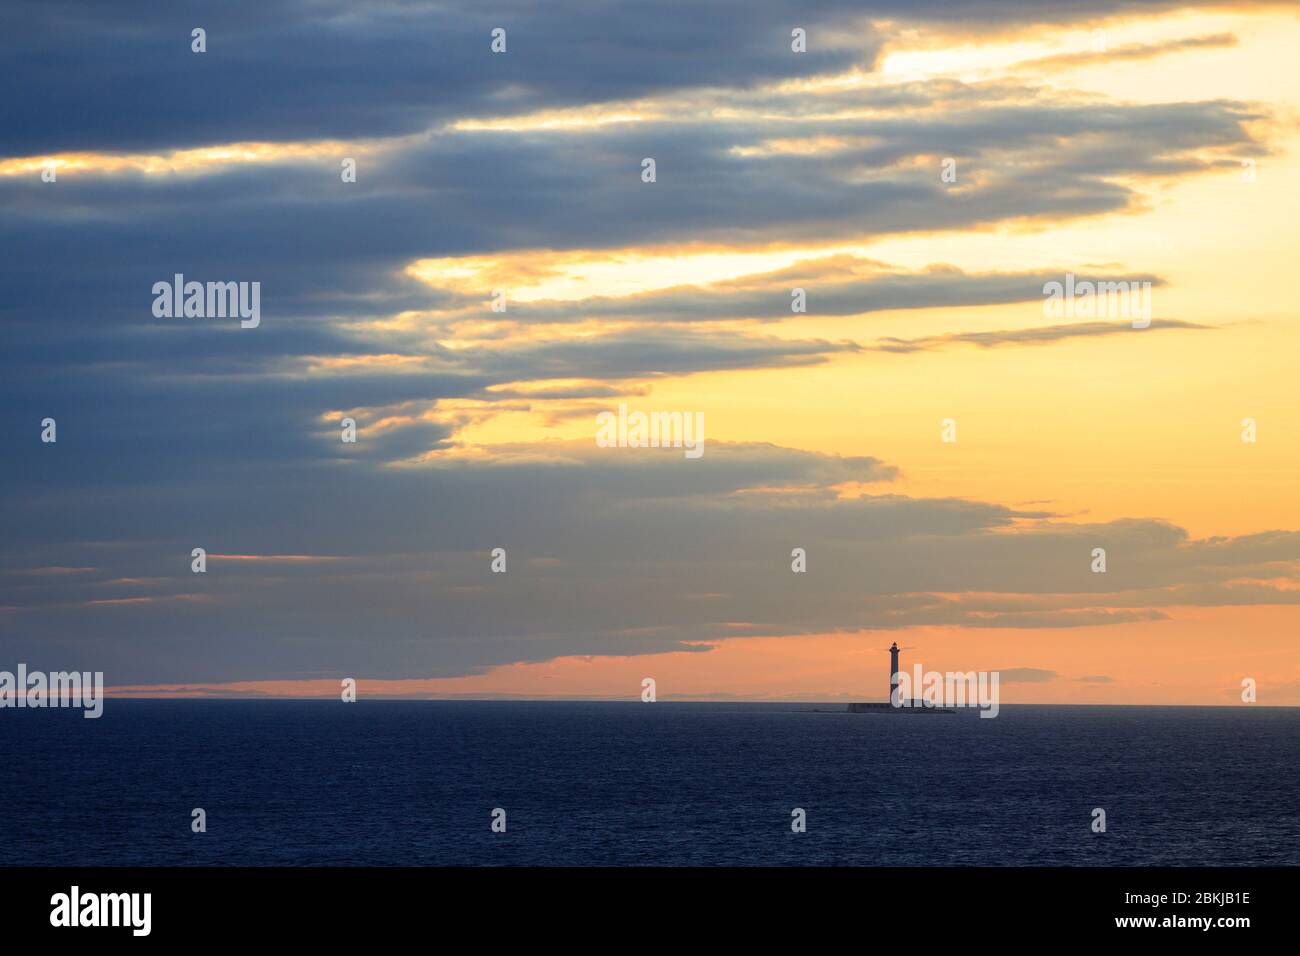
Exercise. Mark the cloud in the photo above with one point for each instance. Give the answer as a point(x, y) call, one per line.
point(1031, 336)
point(611, 551)
point(282, 69)
point(1025, 675)
point(1129, 51)
point(840, 285)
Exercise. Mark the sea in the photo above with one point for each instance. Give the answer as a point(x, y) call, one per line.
point(420, 783)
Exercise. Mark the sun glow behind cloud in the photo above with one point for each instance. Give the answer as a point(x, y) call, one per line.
point(532, 276)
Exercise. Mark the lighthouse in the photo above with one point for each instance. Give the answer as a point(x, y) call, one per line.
point(893, 671)
point(914, 705)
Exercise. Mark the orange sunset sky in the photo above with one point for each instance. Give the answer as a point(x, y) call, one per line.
point(1113, 144)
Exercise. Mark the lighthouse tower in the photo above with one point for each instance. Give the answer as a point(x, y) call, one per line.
point(893, 671)
point(913, 705)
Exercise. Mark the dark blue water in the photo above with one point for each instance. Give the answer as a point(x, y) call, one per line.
point(414, 783)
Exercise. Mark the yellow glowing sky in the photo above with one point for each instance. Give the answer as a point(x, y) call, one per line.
point(1103, 428)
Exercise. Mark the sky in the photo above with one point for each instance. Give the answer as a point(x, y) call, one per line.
point(947, 451)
